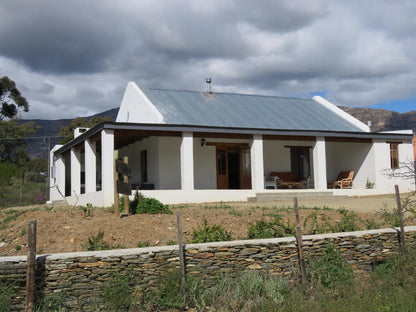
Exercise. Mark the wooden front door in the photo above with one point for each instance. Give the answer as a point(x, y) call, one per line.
point(222, 168)
point(233, 167)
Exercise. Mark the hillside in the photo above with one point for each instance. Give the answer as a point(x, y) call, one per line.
point(381, 120)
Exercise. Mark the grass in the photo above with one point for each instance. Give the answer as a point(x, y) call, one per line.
point(30, 194)
point(11, 216)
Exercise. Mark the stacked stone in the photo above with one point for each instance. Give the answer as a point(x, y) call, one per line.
point(78, 277)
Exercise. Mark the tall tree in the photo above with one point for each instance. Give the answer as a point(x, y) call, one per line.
point(12, 132)
point(12, 102)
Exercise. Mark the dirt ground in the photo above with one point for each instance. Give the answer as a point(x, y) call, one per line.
point(66, 230)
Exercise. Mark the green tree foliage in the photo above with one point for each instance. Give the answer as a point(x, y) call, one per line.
point(67, 132)
point(7, 171)
point(12, 102)
point(12, 135)
point(12, 132)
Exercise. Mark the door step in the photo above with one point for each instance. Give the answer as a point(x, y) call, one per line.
point(288, 195)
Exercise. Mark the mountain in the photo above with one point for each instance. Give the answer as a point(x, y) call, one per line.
point(381, 120)
point(50, 129)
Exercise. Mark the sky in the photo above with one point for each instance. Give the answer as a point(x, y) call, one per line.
point(75, 58)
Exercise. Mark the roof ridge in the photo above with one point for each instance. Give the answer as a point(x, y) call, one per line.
point(231, 93)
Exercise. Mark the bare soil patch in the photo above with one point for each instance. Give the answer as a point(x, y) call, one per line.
point(67, 230)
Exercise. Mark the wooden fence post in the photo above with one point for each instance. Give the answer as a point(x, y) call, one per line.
point(116, 199)
point(181, 254)
point(299, 241)
point(399, 208)
point(126, 197)
point(31, 266)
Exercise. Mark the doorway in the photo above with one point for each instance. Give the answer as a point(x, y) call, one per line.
point(233, 167)
point(233, 170)
point(300, 161)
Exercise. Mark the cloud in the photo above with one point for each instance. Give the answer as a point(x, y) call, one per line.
point(75, 58)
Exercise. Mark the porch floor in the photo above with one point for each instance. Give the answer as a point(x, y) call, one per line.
point(290, 194)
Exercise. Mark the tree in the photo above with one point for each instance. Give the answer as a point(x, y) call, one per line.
point(12, 134)
point(67, 132)
point(7, 172)
point(12, 102)
point(407, 171)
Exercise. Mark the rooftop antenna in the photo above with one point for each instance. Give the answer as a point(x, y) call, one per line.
point(208, 81)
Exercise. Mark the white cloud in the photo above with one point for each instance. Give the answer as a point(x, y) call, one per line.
point(75, 58)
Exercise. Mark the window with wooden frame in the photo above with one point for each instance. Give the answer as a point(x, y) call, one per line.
point(143, 165)
point(394, 155)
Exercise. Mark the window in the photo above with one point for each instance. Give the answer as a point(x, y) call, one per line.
point(246, 161)
point(394, 155)
point(143, 164)
point(222, 162)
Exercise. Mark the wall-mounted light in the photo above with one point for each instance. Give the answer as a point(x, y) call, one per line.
point(202, 142)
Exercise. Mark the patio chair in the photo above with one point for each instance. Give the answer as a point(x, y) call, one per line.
point(344, 180)
point(287, 179)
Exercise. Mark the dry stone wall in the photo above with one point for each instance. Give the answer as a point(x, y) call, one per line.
point(78, 277)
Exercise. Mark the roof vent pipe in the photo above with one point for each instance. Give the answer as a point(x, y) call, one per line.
point(208, 81)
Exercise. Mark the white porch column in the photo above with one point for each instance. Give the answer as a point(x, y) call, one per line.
point(187, 161)
point(90, 166)
point(257, 163)
point(75, 171)
point(107, 165)
point(58, 179)
point(319, 164)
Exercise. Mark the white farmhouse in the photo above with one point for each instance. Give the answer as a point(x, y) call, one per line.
point(185, 146)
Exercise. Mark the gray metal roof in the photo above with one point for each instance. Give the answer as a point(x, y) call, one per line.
point(245, 111)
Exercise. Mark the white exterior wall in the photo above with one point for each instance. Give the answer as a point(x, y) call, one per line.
point(277, 156)
point(163, 161)
point(169, 162)
point(344, 156)
point(205, 166)
point(385, 183)
point(133, 152)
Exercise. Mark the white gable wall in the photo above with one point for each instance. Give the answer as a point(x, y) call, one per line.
point(136, 107)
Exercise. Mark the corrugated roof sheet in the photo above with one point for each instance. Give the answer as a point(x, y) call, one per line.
point(245, 111)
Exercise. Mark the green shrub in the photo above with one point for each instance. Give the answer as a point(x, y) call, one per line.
point(117, 292)
point(169, 294)
point(248, 291)
point(319, 223)
point(86, 210)
point(349, 222)
point(210, 233)
point(331, 269)
point(96, 242)
point(152, 206)
point(141, 244)
point(270, 229)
